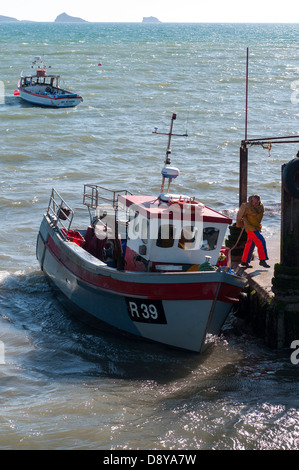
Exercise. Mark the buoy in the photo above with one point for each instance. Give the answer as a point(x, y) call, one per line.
point(99, 63)
point(16, 92)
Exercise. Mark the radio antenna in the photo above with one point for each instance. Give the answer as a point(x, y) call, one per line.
point(169, 174)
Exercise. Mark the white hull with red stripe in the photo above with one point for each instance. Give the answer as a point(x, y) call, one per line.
point(58, 99)
point(177, 309)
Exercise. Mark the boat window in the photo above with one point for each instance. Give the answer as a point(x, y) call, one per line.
point(165, 236)
point(210, 238)
point(187, 238)
point(144, 230)
point(136, 223)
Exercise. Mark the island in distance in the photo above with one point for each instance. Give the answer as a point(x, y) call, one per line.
point(150, 19)
point(7, 19)
point(65, 18)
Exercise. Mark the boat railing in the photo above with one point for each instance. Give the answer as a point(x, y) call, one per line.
point(60, 213)
point(106, 207)
point(95, 196)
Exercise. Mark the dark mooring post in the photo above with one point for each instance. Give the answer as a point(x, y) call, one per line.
point(286, 273)
point(289, 255)
point(243, 174)
point(236, 240)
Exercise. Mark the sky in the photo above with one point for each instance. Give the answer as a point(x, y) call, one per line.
point(177, 11)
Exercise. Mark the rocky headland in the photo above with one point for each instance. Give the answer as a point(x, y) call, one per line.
point(150, 19)
point(65, 18)
point(62, 18)
point(7, 19)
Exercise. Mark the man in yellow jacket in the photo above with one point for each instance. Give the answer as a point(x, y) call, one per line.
point(249, 216)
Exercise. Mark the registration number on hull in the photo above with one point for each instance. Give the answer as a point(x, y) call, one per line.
point(146, 311)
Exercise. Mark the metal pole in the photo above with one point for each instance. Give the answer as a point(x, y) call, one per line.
point(168, 151)
point(244, 151)
point(248, 141)
point(246, 107)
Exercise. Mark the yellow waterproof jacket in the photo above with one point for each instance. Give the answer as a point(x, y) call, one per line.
point(250, 216)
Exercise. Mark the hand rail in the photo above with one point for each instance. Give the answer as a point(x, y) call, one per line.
point(97, 197)
point(60, 213)
point(93, 194)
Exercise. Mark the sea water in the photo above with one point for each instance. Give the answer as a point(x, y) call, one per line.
point(63, 385)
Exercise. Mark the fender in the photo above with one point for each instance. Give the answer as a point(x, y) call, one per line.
point(290, 178)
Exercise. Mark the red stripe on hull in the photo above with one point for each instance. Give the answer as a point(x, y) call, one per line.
point(54, 97)
point(165, 291)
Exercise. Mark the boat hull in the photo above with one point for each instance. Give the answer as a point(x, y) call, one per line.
point(53, 101)
point(176, 309)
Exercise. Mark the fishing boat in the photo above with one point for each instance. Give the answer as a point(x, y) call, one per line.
point(153, 266)
point(42, 89)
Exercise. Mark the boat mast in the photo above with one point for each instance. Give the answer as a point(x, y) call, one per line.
point(168, 150)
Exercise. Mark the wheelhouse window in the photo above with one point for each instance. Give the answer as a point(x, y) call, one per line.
point(136, 220)
point(144, 230)
point(139, 227)
point(187, 239)
point(210, 238)
point(166, 236)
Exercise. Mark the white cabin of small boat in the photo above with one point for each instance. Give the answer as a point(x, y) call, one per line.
point(39, 79)
point(171, 231)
